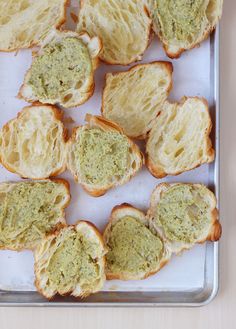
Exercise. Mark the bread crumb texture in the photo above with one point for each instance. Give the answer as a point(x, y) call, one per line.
point(132, 247)
point(184, 212)
point(24, 23)
point(122, 25)
point(30, 210)
point(133, 98)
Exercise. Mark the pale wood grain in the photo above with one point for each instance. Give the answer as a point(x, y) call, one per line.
point(222, 311)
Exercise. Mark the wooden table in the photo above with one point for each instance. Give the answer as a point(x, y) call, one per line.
point(221, 312)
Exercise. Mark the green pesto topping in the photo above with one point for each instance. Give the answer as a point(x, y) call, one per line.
point(183, 212)
point(102, 156)
point(62, 66)
point(133, 248)
point(180, 20)
point(28, 212)
point(74, 261)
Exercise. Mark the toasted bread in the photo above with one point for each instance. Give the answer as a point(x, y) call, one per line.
point(133, 98)
point(25, 23)
point(30, 210)
point(183, 25)
point(134, 251)
point(179, 139)
point(70, 262)
point(184, 214)
point(33, 144)
point(100, 156)
point(63, 70)
point(123, 26)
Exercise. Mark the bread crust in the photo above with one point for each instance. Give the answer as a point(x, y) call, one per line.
point(101, 262)
point(159, 172)
point(58, 226)
point(166, 64)
point(181, 50)
point(215, 229)
point(117, 213)
point(60, 22)
point(58, 115)
point(106, 125)
point(59, 35)
point(137, 57)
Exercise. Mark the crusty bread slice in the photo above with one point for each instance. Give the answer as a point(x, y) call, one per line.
point(184, 214)
point(181, 24)
point(33, 144)
point(133, 98)
point(63, 70)
point(100, 156)
point(24, 23)
point(179, 139)
point(123, 26)
point(70, 261)
point(134, 251)
point(30, 210)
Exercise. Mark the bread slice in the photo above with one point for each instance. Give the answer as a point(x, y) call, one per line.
point(33, 144)
point(100, 156)
point(24, 23)
point(30, 210)
point(184, 214)
point(63, 70)
point(179, 139)
point(182, 25)
point(133, 98)
point(134, 251)
point(70, 262)
point(123, 26)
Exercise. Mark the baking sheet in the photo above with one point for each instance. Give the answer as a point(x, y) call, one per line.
point(192, 77)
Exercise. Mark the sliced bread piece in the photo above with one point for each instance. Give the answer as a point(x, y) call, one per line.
point(179, 139)
point(184, 214)
point(70, 262)
point(33, 144)
point(123, 26)
point(133, 98)
point(100, 156)
point(24, 23)
point(181, 24)
point(63, 70)
point(30, 210)
point(134, 251)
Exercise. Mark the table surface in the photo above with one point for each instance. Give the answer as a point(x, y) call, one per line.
point(221, 312)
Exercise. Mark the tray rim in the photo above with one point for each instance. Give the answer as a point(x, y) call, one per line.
point(210, 293)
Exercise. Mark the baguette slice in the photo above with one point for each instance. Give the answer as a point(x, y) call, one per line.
point(63, 70)
point(184, 214)
point(70, 261)
point(123, 26)
point(33, 144)
point(101, 157)
point(183, 25)
point(25, 23)
point(133, 98)
point(30, 210)
point(134, 251)
point(179, 140)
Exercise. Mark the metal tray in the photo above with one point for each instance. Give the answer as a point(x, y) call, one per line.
point(188, 280)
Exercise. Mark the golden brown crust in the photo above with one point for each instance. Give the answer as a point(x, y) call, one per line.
point(170, 69)
point(158, 172)
point(55, 234)
point(57, 26)
point(58, 115)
